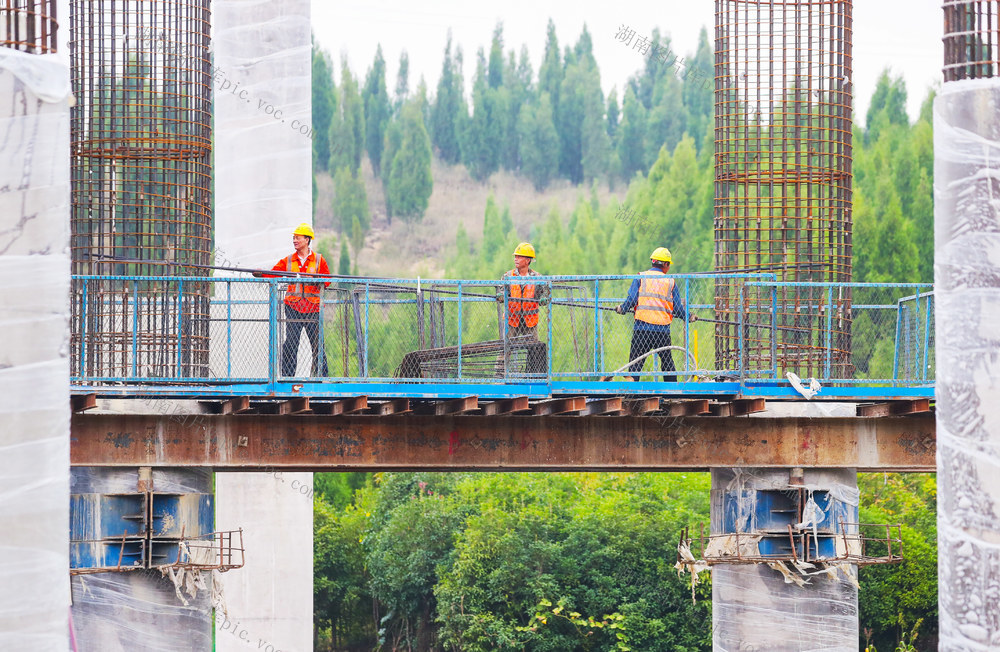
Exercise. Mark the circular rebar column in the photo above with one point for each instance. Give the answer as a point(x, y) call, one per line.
point(967, 287)
point(783, 180)
point(28, 25)
point(141, 166)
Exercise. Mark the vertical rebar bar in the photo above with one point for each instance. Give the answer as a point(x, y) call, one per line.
point(783, 175)
point(28, 25)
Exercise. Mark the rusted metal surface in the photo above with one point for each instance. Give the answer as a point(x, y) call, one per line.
point(28, 25)
point(557, 443)
point(971, 39)
point(783, 157)
point(894, 408)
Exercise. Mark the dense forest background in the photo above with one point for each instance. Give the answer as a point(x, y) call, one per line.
point(446, 183)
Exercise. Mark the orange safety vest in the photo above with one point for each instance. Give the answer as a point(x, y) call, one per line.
point(656, 303)
point(515, 309)
point(303, 296)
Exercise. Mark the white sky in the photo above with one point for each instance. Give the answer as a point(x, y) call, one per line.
point(904, 35)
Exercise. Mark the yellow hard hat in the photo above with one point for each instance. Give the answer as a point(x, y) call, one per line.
point(525, 249)
point(304, 229)
point(661, 254)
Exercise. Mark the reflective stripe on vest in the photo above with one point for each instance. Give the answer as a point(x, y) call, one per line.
point(656, 304)
point(299, 292)
point(529, 309)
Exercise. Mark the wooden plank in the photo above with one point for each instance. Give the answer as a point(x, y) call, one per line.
point(603, 406)
point(82, 402)
point(559, 406)
point(640, 406)
point(506, 406)
point(685, 408)
point(894, 408)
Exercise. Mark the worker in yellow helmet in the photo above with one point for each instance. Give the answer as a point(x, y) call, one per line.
point(303, 303)
point(656, 301)
point(522, 306)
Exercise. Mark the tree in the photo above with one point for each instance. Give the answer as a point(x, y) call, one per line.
point(409, 182)
point(887, 107)
point(347, 130)
point(449, 109)
point(539, 142)
point(484, 136)
point(632, 137)
point(344, 262)
point(402, 80)
point(324, 103)
point(350, 201)
point(377, 110)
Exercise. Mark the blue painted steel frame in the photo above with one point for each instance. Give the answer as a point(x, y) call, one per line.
point(742, 384)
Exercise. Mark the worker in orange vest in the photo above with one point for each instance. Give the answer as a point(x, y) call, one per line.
point(303, 303)
point(522, 305)
point(656, 301)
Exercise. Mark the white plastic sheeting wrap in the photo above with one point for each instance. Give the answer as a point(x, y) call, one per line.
point(967, 286)
point(263, 190)
point(760, 608)
point(34, 368)
point(139, 610)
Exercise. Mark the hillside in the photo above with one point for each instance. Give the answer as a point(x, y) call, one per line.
point(408, 250)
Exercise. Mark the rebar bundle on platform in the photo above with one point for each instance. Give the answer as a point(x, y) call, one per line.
point(141, 151)
point(783, 178)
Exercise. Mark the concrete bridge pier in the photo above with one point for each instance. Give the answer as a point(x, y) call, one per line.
point(756, 607)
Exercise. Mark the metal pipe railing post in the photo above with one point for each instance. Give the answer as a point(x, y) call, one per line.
point(895, 357)
point(83, 329)
point(548, 348)
point(598, 342)
point(180, 324)
point(774, 330)
point(229, 329)
point(829, 333)
point(460, 331)
point(135, 328)
point(927, 334)
point(367, 306)
point(272, 332)
point(687, 326)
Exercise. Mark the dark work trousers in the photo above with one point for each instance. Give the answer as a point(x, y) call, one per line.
point(644, 341)
point(537, 354)
point(295, 323)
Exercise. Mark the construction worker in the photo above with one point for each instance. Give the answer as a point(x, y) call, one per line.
point(522, 305)
point(656, 301)
point(303, 303)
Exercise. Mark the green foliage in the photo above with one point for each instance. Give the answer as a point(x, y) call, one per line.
point(347, 128)
point(324, 103)
point(539, 142)
point(350, 201)
point(377, 109)
point(449, 108)
point(344, 261)
point(409, 183)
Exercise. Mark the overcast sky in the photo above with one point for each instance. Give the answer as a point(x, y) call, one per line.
point(356, 27)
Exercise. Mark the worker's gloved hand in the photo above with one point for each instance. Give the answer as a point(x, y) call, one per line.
point(619, 310)
point(257, 274)
point(693, 318)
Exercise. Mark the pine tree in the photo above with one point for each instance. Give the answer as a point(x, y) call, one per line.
point(699, 90)
point(347, 130)
point(377, 109)
point(410, 183)
point(324, 104)
point(484, 136)
point(344, 263)
point(350, 201)
point(402, 81)
point(632, 135)
point(539, 142)
point(449, 107)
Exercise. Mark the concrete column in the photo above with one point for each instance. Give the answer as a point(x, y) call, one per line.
point(263, 189)
point(967, 326)
point(753, 607)
point(34, 368)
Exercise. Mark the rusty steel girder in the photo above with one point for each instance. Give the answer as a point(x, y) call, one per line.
point(501, 443)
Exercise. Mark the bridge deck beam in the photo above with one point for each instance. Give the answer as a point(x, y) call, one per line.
point(501, 443)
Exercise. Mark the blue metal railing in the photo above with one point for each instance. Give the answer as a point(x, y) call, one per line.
point(216, 331)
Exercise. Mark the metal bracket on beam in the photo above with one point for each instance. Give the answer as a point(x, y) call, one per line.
point(640, 406)
point(454, 406)
point(82, 402)
point(894, 408)
point(393, 406)
point(685, 408)
point(506, 406)
point(559, 406)
point(235, 405)
point(291, 406)
point(603, 406)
